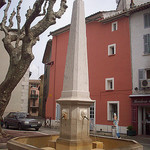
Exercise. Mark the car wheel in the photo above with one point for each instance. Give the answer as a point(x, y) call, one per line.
point(36, 129)
point(19, 126)
point(6, 125)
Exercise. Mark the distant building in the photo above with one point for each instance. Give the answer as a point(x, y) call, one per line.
point(34, 92)
point(41, 102)
point(19, 97)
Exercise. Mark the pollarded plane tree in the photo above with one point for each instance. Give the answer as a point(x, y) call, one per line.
point(19, 42)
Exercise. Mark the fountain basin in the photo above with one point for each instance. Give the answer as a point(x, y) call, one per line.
point(48, 142)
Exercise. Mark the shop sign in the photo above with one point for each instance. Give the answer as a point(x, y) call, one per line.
point(141, 101)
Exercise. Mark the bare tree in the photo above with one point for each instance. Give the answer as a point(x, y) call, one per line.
point(19, 42)
point(2, 3)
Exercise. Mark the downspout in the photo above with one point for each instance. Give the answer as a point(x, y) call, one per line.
point(54, 103)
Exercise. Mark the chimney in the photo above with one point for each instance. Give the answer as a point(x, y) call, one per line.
point(132, 4)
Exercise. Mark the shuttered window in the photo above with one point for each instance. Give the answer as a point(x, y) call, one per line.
point(147, 44)
point(147, 20)
point(141, 76)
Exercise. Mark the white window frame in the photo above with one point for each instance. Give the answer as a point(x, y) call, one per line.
point(110, 49)
point(107, 86)
point(108, 109)
point(112, 26)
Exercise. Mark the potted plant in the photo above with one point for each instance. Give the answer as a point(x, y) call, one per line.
point(131, 131)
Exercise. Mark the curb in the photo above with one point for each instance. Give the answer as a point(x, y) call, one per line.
point(3, 146)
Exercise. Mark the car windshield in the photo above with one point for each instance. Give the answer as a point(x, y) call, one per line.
point(23, 115)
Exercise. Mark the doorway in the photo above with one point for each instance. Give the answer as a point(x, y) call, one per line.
point(145, 120)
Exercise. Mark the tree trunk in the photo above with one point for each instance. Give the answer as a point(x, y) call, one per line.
point(14, 75)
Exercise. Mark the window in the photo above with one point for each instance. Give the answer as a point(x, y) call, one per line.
point(33, 92)
point(112, 107)
point(33, 110)
point(147, 44)
point(114, 26)
point(33, 102)
point(147, 20)
point(144, 74)
point(111, 49)
point(92, 112)
point(109, 84)
point(148, 74)
point(92, 117)
point(57, 111)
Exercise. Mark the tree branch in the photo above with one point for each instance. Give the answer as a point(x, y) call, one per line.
point(50, 18)
point(10, 19)
point(35, 12)
point(2, 3)
point(3, 25)
point(44, 10)
point(62, 9)
point(18, 15)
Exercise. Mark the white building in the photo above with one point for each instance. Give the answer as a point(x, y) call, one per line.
point(140, 56)
point(126, 4)
point(19, 97)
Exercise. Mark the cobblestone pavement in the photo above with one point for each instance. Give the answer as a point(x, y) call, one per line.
point(144, 140)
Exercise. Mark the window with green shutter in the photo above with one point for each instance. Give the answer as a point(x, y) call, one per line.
point(147, 20)
point(141, 76)
point(147, 44)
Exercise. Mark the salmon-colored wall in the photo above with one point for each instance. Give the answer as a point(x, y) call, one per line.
point(101, 66)
point(59, 50)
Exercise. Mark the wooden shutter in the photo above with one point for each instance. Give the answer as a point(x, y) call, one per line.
point(141, 76)
point(147, 20)
point(147, 44)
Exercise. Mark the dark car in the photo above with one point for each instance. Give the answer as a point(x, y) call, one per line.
point(1, 122)
point(21, 120)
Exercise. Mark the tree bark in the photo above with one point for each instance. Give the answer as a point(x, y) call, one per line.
point(2, 3)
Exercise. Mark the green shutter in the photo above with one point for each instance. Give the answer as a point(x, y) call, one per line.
point(141, 76)
point(147, 44)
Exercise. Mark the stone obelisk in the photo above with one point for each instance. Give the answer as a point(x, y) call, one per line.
point(75, 100)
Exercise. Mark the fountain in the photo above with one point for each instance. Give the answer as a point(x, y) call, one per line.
point(74, 101)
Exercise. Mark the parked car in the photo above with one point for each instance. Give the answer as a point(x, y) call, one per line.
point(21, 120)
point(1, 122)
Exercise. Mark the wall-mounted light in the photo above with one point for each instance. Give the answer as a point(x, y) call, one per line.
point(51, 63)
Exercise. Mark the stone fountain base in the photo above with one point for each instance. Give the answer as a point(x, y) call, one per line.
point(63, 144)
point(48, 142)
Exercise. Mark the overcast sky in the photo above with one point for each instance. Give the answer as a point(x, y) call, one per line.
point(91, 7)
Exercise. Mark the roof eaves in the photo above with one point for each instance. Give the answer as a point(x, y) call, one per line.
point(91, 18)
point(126, 13)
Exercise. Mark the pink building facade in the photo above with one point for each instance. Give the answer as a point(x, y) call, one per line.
point(110, 70)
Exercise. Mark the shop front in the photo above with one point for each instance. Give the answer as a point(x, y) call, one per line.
point(141, 113)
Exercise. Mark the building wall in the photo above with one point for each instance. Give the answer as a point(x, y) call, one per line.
point(19, 98)
point(34, 94)
point(59, 49)
point(101, 66)
point(139, 60)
